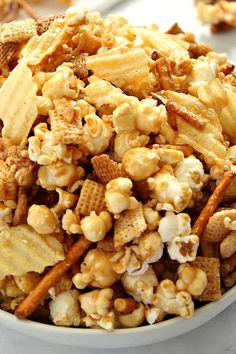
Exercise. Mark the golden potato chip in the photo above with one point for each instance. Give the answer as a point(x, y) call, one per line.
point(164, 43)
point(40, 47)
point(23, 250)
point(222, 99)
point(18, 109)
point(124, 67)
point(209, 141)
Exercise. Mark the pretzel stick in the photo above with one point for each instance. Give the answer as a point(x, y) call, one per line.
point(125, 305)
point(12, 14)
point(29, 305)
point(182, 112)
point(212, 204)
point(172, 120)
point(166, 80)
point(227, 68)
point(27, 8)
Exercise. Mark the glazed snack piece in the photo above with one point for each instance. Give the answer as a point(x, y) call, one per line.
point(220, 14)
point(117, 161)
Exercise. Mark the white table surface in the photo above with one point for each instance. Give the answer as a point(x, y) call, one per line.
point(218, 336)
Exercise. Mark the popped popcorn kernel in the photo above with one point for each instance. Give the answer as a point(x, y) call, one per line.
point(190, 170)
point(95, 227)
point(126, 141)
point(64, 309)
point(140, 163)
point(141, 287)
point(172, 225)
point(149, 247)
point(58, 174)
point(96, 270)
point(71, 223)
point(184, 248)
point(152, 218)
point(42, 219)
point(168, 191)
point(191, 279)
point(133, 319)
point(118, 195)
point(97, 303)
point(172, 301)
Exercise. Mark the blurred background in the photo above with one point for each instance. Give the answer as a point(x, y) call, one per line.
point(141, 12)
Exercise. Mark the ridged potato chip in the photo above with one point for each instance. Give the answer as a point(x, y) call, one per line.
point(208, 141)
point(124, 67)
point(23, 250)
point(222, 98)
point(40, 47)
point(164, 43)
point(18, 109)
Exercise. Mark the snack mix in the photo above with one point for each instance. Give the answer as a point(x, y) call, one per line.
point(220, 14)
point(117, 185)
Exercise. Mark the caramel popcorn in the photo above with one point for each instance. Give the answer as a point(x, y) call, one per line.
point(172, 301)
point(70, 223)
point(190, 170)
point(97, 134)
point(118, 197)
point(169, 156)
point(66, 200)
point(46, 224)
point(170, 193)
point(117, 175)
point(135, 115)
point(96, 270)
point(152, 218)
point(154, 314)
point(141, 287)
point(183, 249)
point(95, 227)
point(64, 309)
point(133, 319)
point(149, 247)
point(140, 163)
point(191, 279)
point(172, 225)
point(126, 141)
point(96, 303)
point(58, 174)
point(219, 14)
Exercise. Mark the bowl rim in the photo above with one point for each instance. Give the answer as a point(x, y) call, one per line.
point(52, 329)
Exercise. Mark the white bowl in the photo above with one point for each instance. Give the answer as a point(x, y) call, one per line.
point(96, 338)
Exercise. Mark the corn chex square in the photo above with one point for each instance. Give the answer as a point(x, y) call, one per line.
point(92, 198)
point(106, 169)
point(129, 226)
point(212, 268)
